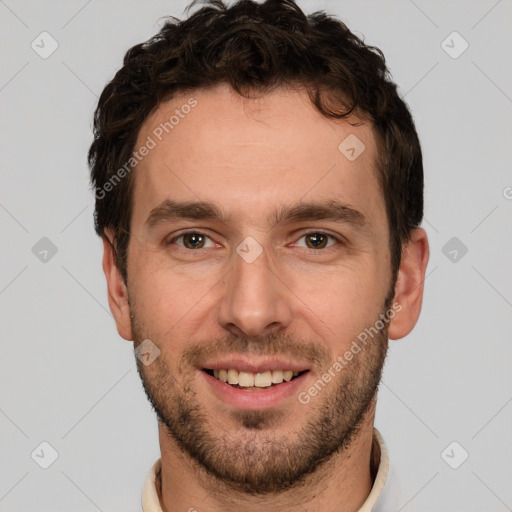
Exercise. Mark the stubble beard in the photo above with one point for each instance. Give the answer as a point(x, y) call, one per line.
point(252, 458)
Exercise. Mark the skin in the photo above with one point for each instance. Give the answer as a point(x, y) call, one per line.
point(251, 156)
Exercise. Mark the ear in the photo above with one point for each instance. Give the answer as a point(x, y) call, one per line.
point(409, 285)
point(117, 290)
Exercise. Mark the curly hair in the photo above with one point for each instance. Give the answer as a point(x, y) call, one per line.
point(255, 48)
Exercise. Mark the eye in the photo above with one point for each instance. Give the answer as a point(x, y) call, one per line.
point(318, 240)
point(192, 240)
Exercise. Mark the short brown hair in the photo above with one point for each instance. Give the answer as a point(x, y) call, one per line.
point(255, 47)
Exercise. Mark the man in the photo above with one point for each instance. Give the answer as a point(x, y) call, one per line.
point(259, 191)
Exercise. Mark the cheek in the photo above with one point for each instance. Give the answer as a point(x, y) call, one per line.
point(167, 298)
point(343, 302)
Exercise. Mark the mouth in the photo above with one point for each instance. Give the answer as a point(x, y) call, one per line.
point(254, 381)
point(255, 384)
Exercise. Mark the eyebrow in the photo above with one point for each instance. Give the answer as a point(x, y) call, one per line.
point(195, 210)
point(330, 210)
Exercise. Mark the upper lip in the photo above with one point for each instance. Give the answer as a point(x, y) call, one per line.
point(253, 366)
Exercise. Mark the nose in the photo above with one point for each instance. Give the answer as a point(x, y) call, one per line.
point(256, 301)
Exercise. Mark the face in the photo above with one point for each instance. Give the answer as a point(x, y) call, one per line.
point(257, 247)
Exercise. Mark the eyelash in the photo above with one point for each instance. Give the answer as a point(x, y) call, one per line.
point(316, 232)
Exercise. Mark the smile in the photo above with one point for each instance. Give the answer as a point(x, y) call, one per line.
point(260, 380)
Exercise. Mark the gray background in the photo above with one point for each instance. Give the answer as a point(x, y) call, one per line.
point(67, 378)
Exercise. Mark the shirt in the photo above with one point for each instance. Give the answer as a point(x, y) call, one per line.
point(383, 496)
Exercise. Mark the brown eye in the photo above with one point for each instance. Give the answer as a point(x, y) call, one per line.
point(187, 240)
point(193, 240)
point(316, 240)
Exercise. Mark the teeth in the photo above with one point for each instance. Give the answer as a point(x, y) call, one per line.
point(277, 377)
point(262, 380)
point(245, 380)
point(287, 375)
point(259, 380)
point(232, 377)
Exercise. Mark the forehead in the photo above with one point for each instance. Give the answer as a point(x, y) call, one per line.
point(249, 154)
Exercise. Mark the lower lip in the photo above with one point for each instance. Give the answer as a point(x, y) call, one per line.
point(254, 400)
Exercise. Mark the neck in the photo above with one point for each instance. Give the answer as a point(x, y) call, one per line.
point(341, 484)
